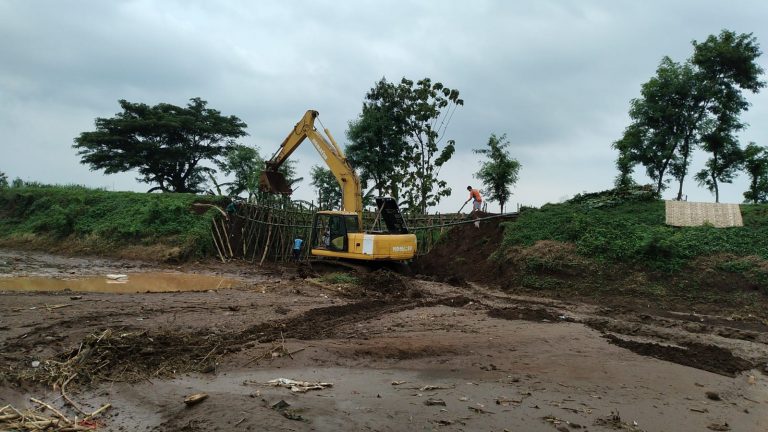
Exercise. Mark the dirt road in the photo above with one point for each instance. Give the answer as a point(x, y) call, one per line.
point(402, 354)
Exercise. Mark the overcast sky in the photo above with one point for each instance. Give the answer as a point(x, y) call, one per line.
point(555, 76)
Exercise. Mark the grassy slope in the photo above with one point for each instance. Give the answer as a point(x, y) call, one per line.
point(79, 219)
point(605, 242)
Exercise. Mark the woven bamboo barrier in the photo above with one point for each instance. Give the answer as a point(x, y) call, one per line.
point(265, 233)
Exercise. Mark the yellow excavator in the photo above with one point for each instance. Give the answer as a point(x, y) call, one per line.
point(340, 234)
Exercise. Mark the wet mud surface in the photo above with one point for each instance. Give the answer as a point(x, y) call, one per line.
point(402, 354)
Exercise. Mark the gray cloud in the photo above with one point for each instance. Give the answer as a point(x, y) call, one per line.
point(556, 76)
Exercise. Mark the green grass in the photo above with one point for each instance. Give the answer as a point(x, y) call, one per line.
point(632, 230)
point(109, 219)
point(339, 279)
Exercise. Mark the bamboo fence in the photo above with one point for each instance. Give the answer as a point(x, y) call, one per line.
point(260, 233)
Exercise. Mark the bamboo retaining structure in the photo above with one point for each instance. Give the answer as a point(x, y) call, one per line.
point(261, 233)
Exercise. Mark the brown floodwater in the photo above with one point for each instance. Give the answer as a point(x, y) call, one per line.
point(132, 283)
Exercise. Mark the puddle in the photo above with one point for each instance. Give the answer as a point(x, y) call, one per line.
point(133, 283)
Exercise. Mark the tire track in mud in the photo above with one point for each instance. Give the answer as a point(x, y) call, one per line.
point(323, 323)
point(711, 358)
point(136, 355)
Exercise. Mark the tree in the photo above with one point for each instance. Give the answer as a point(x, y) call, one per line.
point(500, 171)
point(429, 108)
point(663, 129)
point(696, 103)
point(727, 66)
point(246, 164)
point(625, 164)
point(396, 141)
point(756, 166)
point(724, 163)
point(378, 148)
point(3, 180)
point(327, 188)
point(165, 143)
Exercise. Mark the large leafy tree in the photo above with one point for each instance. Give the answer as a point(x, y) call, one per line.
point(690, 105)
point(663, 129)
point(377, 141)
point(429, 107)
point(165, 143)
point(756, 167)
point(500, 171)
point(398, 140)
point(727, 65)
point(327, 188)
point(245, 164)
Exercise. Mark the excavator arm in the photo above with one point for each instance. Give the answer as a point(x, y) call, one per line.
point(273, 181)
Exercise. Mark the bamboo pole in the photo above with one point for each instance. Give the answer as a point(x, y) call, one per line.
point(219, 248)
point(266, 245)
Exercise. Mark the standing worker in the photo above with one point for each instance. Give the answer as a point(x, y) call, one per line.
point(474, 194)
point(297, 242)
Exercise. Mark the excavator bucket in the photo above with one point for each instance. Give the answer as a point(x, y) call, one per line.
point(274, 182)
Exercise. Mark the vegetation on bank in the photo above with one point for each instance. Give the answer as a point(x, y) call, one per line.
point(77, 218)
point(628, 228)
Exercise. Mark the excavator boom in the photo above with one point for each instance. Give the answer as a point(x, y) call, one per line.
point(273, 181)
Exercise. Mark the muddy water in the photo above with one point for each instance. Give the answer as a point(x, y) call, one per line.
point(132, 283)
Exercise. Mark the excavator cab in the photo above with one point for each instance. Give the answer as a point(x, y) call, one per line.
point(331, 229)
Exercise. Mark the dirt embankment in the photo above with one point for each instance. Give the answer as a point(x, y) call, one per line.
point(471, 253)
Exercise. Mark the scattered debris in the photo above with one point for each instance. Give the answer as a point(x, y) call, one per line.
point(431, 402)
point(713, 396)
point(291, 414)
point(479, 408)
point(436, 387)
point(614, 421)
point(280, 405)
point(195, 399)
point(699, 410)
point(277, 350)
point(397, 383)
point(57, 306)
point(719, 427)
point(298, 386)
point(35, 419)
point(506, 402)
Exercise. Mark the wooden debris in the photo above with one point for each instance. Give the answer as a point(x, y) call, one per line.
point(36, 420)
point(277, 350)
point(480, 409)
point(195, 399)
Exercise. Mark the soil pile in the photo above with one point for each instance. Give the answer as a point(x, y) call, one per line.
point(383, 284)
point(462, 254)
